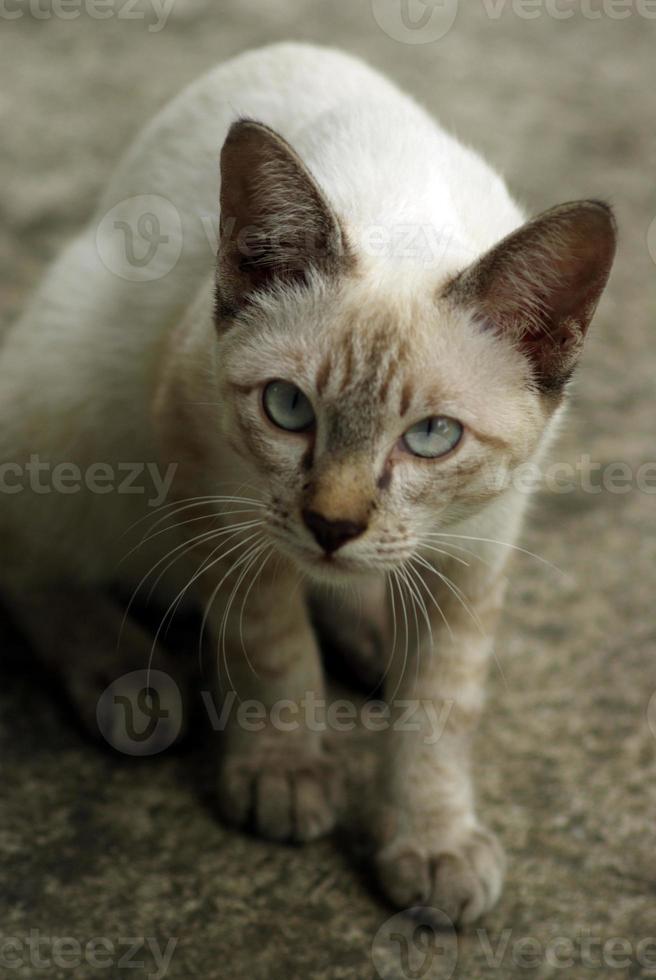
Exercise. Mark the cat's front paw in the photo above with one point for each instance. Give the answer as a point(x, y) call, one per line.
point(281, 796)
point(461, 878)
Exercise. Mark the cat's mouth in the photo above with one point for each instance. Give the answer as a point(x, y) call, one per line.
point(342, 564)
point(331, 567)
point(323, 565)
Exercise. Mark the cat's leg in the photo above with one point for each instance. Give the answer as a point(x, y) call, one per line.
point(275, 775)
point(433, 852)
point(124, 689)
point(353, 627)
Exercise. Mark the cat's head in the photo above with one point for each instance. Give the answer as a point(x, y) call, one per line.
point(371, 402)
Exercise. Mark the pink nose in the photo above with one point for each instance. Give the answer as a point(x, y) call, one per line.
point(331, 535)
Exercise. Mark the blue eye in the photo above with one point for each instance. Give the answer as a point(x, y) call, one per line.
point(287, 407)
point(433, 437)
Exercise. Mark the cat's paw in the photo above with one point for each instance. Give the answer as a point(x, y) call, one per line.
point(462, 880)
point(283, 797)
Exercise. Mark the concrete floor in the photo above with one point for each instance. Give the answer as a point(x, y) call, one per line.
point(97, 846)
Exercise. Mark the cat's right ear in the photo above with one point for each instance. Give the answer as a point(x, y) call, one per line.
point(276, 224)
point(540, 286)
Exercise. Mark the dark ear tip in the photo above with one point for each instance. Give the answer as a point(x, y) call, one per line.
point(244, 127)
point(603, 212)
point(237, 131)
point(603, 207)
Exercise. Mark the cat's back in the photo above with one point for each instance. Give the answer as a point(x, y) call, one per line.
point(379, 156)
point(380, 159)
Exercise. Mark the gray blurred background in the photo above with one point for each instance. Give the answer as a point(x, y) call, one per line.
point(96, 846)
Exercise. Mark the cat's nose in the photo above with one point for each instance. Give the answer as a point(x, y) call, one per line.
point(331, 535)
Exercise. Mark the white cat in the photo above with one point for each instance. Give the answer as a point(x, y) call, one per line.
point(344, 394)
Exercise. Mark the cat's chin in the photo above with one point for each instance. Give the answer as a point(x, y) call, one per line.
point(328, 569)
point(334, 570)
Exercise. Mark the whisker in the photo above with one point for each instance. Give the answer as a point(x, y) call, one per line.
point(201, 539)
point(404, 579)
point(417, 558)
point(416, 600)
point(245, 599)
point(406, 646)
point(209, 560)
point(194, 520)
point(247, 561)
point(189, 501)
point(201, 502)
point(172, 527)
point(170, 612)
point(390, 659)
point(254, 552)
point(411, 570)
point(455, 590)
point(505, 544)
point(446, 554)
point(475, 617)
point(217, 589)
point(185, 546)
point(241, 578)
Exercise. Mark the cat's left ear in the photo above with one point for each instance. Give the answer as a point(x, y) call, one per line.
point(540, 285)
point(276, 224)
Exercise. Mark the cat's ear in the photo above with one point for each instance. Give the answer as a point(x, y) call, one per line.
point(541, 285)
point(275, 222)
